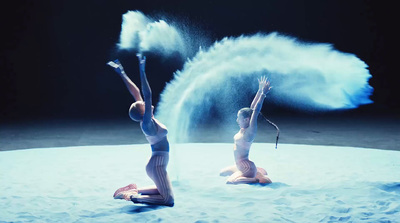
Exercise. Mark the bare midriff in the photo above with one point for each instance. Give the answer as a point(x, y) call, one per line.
point(240, 153)
point(241, 147)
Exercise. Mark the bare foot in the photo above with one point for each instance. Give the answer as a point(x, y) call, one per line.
point(129, 193)
point(263, 179)
point(262, 171)
point(129, 187)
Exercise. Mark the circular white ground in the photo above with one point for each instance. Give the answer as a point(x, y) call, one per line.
point(310, 184)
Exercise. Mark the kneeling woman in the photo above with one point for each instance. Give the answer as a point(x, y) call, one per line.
point(156, 133)
point(245, 171)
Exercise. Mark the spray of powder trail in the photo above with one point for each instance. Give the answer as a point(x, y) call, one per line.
point(220, 80)
point(310, 76)
point(141, 33)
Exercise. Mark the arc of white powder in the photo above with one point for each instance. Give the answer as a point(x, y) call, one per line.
point(305, 75)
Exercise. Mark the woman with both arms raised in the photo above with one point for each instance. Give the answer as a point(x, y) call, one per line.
point(156, 134)
point(245, 171)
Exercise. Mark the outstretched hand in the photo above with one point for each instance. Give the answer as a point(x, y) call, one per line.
point(261, 82)
point(117, 66)
point(264, 85)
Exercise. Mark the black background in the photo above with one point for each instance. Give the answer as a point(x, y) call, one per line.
point(54, 53)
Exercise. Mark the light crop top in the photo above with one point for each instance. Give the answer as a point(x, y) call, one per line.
point(162, 132)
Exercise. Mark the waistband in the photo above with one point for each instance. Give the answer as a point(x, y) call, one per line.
point(160, 153)
point(163, 145)
point(244, 160)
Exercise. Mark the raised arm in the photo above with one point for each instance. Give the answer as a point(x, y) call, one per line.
point(148, 125)
point(259, 92)
point(258, 102)
point(133, 89)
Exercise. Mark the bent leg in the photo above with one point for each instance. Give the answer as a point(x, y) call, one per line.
point(161, 195)
point(246, 173)
point(238, 178)
point(156, 170)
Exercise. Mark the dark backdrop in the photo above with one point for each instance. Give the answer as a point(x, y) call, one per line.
point(54, 53)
